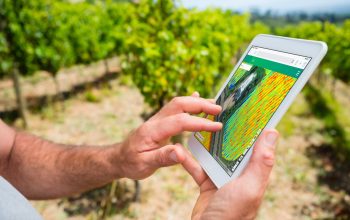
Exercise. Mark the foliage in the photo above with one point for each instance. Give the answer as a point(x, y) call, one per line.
point(52, 48)
point(14, 28)
point(168, 50)
point(174, 51)
point(120, 15)
point(5, 63)
point(50, 35)
point(86, 29)
point(339, 53)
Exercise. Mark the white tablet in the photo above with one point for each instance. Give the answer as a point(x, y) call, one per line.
point(259, 90)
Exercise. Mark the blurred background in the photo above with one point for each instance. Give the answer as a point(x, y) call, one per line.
point(90, 71)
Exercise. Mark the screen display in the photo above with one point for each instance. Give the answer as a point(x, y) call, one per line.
point(251, 97)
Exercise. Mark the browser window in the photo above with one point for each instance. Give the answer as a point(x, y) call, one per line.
point(248, 102)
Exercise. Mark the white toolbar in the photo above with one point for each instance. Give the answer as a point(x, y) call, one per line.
point(280, 57)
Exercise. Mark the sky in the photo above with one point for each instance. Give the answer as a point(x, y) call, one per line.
point(282, 6)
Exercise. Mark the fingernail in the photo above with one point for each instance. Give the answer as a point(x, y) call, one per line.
point(173, 156)
point(218, 124)
point(271, 138)
point(196, 94)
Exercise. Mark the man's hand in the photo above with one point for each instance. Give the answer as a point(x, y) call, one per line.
point(41, 169)
point(240, 198)
point(146, 149)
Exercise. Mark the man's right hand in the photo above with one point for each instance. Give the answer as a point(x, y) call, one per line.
point(239, 199)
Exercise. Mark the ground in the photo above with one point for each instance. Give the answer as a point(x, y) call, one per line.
point(106, 114)
point(108, 121)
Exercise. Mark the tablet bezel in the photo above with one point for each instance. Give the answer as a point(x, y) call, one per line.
point(314, 49)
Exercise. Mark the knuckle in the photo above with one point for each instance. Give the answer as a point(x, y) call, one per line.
point(269, 158)
point(204, 125)
point(144, 128)
point(182, 118)
point(177, 101)
point(161, 158)
point(255, 197)
point(144, 133)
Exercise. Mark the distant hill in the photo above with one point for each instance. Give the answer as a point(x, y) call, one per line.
point(340, 9)
point(343, 8)
point(278, 6)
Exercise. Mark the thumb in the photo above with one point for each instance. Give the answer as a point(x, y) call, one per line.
point(167, 156)
point(260, 165)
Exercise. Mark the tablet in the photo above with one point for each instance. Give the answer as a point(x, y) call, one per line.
point(258, 92)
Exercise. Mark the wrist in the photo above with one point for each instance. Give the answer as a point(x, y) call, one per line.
point(116, 159)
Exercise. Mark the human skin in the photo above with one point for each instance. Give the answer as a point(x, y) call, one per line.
point(240, 198)
point(41, 169)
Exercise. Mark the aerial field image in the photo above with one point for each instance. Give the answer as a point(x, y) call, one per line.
point(248, 101)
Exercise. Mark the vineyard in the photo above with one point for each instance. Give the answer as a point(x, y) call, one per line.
point(165, 49)
point(196, 49)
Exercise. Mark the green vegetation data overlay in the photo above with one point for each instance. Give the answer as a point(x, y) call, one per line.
point(244, 125)
point(246, 114)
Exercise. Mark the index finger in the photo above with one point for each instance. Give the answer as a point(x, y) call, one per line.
point(190, 104)
point(176, 124)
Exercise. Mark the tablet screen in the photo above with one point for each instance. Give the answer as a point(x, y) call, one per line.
point(249, 100)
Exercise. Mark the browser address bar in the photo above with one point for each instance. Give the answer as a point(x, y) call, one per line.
point(275, 57)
